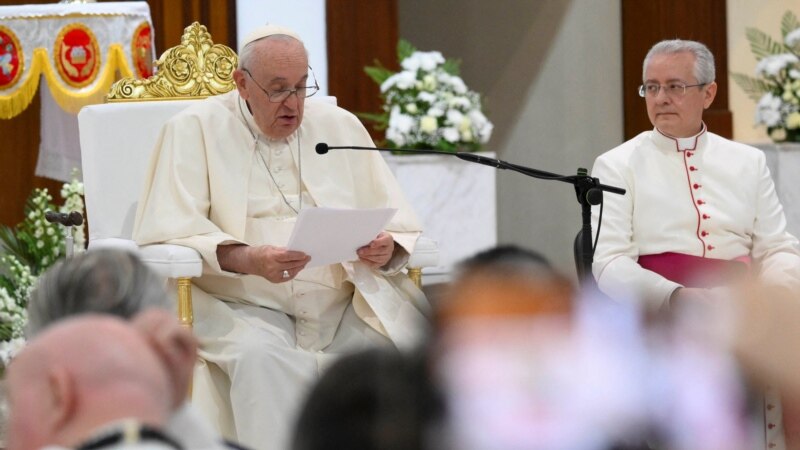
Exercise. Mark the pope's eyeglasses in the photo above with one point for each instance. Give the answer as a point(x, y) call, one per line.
point(282, 95)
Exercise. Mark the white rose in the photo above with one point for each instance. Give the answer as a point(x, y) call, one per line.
point(768, 110)
point(426, 97)
point(778, 134)
point(466, 135)
point(403, 123)
point(428, 124)
point(411, 108)
point(454, 117)
point(435, 111)
point(485, 132)
point(429, 83)
point(401, 80)
point(450, 134)
point(793, 121)
point(458, 85)
point(465, 124)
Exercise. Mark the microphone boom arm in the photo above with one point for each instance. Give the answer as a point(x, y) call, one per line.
point(588, 190)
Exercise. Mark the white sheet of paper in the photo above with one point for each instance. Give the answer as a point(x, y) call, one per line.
point(331, 235)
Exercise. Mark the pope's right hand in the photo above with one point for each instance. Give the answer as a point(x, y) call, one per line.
point(277, 264)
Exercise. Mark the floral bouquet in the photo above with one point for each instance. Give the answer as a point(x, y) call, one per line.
point(776, 87)
point(427, 105)
point(28, 250)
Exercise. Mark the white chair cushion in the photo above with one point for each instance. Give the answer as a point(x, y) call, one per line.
point(426, 253)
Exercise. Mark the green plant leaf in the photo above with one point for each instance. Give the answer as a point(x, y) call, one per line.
point(404, 49)
point(12, 245)
point(378, 74)
point(380, 118)
point(789, 23)
point(761, 44)
point(452, 66)
point(753, 87)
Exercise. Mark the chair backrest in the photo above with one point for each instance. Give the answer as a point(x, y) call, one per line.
point(117, 138)
point(116, 142)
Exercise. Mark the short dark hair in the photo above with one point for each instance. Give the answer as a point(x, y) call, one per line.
point(375, 399)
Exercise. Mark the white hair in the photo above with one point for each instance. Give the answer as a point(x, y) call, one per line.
point(704, 69)
point(248, 53)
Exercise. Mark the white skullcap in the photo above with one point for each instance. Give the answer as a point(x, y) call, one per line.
point(267, 30)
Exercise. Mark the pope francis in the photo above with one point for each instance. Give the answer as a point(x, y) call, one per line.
point(228, 177)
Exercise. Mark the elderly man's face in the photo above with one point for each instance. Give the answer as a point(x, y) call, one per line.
point(31, 420)
point(278, 65)
point(675, 115)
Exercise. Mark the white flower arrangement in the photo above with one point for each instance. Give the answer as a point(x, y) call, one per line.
point(28, 250)
point(427, 105)
point(776, 87)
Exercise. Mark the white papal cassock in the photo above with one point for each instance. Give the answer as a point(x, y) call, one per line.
point(215, 180)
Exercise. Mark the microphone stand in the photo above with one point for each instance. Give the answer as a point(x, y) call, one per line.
point(588, 190)
point(68, 221)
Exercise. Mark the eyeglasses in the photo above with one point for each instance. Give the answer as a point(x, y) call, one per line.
point(674, 90)
point(282, 95)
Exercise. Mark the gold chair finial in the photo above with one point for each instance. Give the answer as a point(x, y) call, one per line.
point(195, 68)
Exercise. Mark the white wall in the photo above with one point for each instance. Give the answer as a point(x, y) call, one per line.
point(305, 17)
point(742, 14)
point(551, 75)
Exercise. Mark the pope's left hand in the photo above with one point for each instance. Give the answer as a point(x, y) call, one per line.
point(378, 252)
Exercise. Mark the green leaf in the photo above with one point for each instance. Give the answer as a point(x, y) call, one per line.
point(452, 66)
point(789, 23)
point(12, 245)
point(761, 44)
point(404, 49)
point(378, 74)
point(753, 87)
point(374, 117)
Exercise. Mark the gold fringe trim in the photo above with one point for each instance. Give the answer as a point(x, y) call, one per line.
point(13, 104)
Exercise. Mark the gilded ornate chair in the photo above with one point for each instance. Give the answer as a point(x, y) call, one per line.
point(117, 138)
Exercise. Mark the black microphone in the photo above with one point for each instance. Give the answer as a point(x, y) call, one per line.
point(321, 148)
point(73, 218)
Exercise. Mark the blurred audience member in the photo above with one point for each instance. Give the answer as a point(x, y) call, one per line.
point(377, 399)
point(102, 281)
point(116, 282)
point(89, 382)
point(518, 361)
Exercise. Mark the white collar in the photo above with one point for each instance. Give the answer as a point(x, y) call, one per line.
point(680, 144)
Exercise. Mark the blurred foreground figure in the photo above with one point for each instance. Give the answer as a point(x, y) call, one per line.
point(116, 282)
point(89, 382)
point(523, 365)
point(516, 362)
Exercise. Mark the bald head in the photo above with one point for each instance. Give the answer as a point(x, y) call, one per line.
point(79, 375)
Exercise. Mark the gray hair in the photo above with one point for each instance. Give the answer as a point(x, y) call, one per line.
point(704, 69)
point(247, 54)
point(106, 281)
